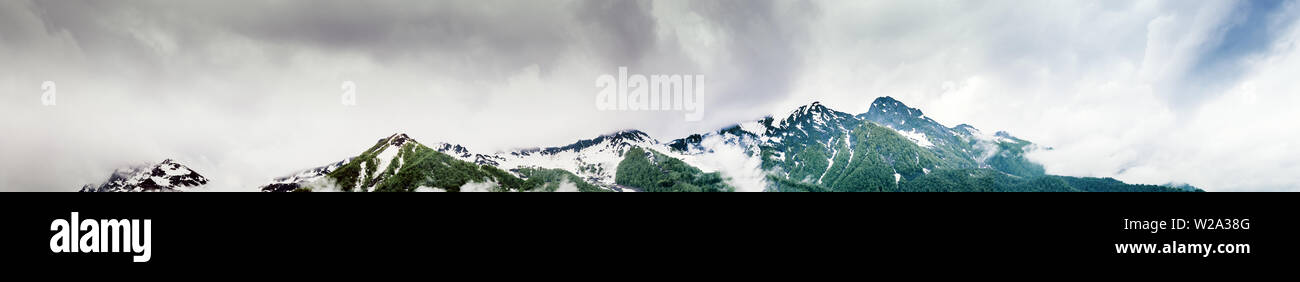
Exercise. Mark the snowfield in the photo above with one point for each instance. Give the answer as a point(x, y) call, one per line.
point(917, 137)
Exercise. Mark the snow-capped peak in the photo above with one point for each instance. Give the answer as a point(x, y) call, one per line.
point(618, 140)
point(166, 176)
point(594, 159)
point(454, 150)
point(629, 136)
point(816, 115)
point(887, 105)
point(811, 110)
point(398, 139)
point(967, 130)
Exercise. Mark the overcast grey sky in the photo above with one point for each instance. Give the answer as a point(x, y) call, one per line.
point(244, 91)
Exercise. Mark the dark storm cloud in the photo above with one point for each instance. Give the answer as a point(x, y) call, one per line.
point(470, 40)
point(627, 27)
point(100, 30)
point(13, 29)
point(765, 45)
point(496, 36)
point(477, 38)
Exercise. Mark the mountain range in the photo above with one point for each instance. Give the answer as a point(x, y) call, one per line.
point(891, 147)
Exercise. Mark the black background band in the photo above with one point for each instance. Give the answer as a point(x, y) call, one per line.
point(463, 232)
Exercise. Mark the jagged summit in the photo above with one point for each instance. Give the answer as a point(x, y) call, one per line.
point(594, 160)
point(894, 114)
point(630, 135)
point(814, 108)
point(166, 176)
point(617, 139)
point(814, 114)
point(398, 139)
point(452, 149)
point(292, 182)
point(885, 100)
point(889, 105)
point(387, 150)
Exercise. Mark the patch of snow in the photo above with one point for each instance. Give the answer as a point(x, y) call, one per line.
point(918, 138)
point(753, 127)
point(850, 139)
point(830, 161)
point(361, 174)
point(386, 156)
point(819, 120)
point(176, 170)
point(161, 181)
point(601, 160)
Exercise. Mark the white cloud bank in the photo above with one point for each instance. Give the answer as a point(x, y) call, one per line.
point(1144, 91)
